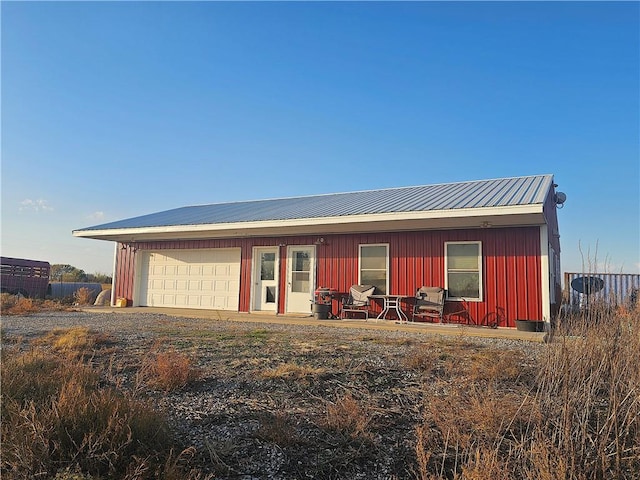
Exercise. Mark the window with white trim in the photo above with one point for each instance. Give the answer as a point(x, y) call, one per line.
point(463, 270)
point(374, 266)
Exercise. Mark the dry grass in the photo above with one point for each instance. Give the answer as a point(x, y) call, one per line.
point(590, 383)
point(19, 305)
point(83, 296)
point(350, 417)
point(574, 414)
point(56, 419)
point(278, 428)
point(75, 341)
point(59, 419)
point(423, 358)
point(341, 406)
point(167, 370)
point(292, 371)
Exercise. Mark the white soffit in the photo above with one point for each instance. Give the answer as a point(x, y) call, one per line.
point(403, 221)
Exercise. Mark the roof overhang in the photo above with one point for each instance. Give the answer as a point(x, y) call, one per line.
point(511, 216)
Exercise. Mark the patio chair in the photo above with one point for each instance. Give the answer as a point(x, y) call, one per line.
point(357, 301)
point(429, 303)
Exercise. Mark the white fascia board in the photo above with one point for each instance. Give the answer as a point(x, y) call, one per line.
point(337, 223)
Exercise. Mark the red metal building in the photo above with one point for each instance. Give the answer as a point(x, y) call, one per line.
point(492, 244)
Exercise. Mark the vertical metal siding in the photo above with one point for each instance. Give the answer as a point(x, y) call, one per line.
point(125, 269)
point(618, 287)
point(511, 268)
point(511, 265)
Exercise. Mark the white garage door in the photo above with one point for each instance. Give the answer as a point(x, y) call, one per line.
point(191, 278)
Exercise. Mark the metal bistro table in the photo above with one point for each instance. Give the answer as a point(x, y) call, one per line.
point(391, 303)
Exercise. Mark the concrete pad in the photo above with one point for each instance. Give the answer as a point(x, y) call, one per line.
point(420, 328)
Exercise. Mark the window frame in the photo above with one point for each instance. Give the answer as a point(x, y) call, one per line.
point(386, 266)
point(479, 270)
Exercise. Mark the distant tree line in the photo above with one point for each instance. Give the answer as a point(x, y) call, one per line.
point(69, 273)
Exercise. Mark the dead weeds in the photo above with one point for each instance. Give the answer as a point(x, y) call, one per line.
point(296, 402)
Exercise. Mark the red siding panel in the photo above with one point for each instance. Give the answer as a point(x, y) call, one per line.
point(511, 265)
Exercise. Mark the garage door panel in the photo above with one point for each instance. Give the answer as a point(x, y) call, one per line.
point(193, 301)
point(182, 270)
point(208, 270)
point(207, 278)
point(159, 300)
point(206, 301)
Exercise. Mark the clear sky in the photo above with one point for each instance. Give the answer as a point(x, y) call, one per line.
point(112, 110)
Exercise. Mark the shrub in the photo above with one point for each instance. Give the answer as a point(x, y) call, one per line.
point(83, 296)
point(169, 370)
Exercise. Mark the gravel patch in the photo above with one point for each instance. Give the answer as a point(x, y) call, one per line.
point(248, 417)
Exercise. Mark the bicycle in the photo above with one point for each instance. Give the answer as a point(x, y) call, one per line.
point(490, 320)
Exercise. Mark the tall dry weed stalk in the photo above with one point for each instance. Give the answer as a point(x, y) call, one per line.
point(589, 385)
point(575, 416)
point(83, 296)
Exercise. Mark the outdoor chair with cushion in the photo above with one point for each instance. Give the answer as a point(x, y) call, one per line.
point(357, 301)
point(429, 303)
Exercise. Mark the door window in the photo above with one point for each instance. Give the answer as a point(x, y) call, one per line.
point(300, 274)
point(268, 266)
point(270, 294)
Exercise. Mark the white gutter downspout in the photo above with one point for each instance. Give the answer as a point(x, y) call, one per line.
point(545, 274)
point(113, 274)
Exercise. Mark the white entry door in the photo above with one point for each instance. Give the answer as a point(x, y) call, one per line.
point(300, 278)
point(265, 278)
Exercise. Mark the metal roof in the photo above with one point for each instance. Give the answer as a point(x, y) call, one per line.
point(496, 193)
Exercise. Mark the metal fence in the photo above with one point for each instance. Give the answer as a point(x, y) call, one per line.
point(618, 288)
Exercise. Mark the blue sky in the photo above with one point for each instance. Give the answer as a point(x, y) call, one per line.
point(112, 110)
